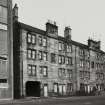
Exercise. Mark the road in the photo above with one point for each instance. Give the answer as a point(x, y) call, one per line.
point(96, 100)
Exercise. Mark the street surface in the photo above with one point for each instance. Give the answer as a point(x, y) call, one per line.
point(90, 100)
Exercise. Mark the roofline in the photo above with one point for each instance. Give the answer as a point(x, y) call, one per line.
point(30, 28)
point(61, 38)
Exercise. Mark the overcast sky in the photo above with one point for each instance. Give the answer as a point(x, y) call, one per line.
point(86, 17)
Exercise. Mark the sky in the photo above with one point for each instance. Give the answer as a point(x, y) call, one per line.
point(85, 17)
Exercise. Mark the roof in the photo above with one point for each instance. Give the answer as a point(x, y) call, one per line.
point(98, 50)
point(33, 29)
point(80, 44)
point(73, 42)
point(39, 31)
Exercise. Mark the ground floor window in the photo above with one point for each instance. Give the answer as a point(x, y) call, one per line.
point(85, 87)
point(69, 87)
point(100, 87)
point(62, 89)
point(3, 83)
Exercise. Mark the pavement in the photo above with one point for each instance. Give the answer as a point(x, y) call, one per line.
point(49, 99)
point(28, 99)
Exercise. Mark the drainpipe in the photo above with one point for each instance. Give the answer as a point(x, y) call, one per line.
point(21, 67)
point(75, 68)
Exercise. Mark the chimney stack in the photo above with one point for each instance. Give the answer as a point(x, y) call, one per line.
point(51, 28)
point(15, 13)
point(67, 32)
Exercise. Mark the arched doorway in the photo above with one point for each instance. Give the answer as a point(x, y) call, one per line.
point(33, 88)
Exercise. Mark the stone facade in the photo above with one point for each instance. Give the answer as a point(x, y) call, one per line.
point(46, 64)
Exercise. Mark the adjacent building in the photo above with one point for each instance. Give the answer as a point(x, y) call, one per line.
point(6, 50)
point(46, 64)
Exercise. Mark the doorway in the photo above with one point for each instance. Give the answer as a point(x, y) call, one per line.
point(33, 88)
point(45, 90)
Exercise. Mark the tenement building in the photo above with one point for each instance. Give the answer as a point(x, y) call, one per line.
point(46, 64)
point(6, 50)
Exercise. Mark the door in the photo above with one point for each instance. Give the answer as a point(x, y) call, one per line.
point(64, 89)
point(60, 89)
point(45, 90)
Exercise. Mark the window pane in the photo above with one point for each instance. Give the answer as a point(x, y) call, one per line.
point(4, 66)
point(53, 59)
point(40, 40)
point(70, 48)
point(33, 70)
point(60, 59)
point(29, 70)
point(41, 69)
point(33, 54)
point(44, 42)
point(45, 71)
point(40, 55)
point(29, 53)
point(63, 59)
point(29, 38)
point(33, 39)
point(67, 60)
point(70, 61)
point(70, 73)
point(3, 26)
point(60, 72)
point(60, 46)
point(92, 64)
point(63, 71)
point(88, 64)
point(45, 56)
